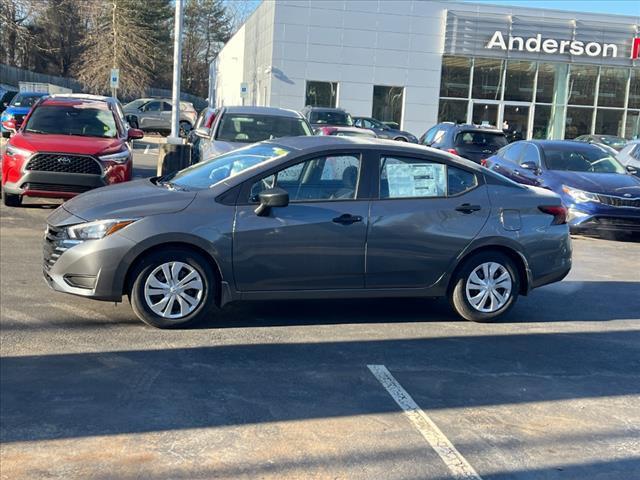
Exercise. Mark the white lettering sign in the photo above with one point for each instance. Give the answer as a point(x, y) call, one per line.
point(537, 44)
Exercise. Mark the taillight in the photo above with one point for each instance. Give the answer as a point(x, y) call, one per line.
point(483, 162)
point(558, 211)
point(452, 150)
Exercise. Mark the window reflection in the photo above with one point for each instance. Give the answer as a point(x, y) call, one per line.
point(452, 111)
point(519, 81)
point(634, 88)
point(608, 122)
point(578, 122)
point(582, 84)
point(321, 94)
point(613, 83)
point(552, 83)
point(487, 78)
point(456, 74)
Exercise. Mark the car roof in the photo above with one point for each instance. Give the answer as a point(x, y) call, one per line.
point(325, 109)
point(254, 110)
point(563, 144)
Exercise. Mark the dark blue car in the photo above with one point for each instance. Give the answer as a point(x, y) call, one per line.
point(599, 193)
point(14, 114)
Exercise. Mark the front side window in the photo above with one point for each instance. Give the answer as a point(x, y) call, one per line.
point(245, 128)
point(153, 107)
point(333, 177)
point(206, 174)
point(514, 152)
point(593, 160)
point(530, 154)
point(81, 120)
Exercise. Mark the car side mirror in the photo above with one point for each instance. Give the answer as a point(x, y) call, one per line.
point(632, 170)
point(273, 197)
point(201, 132)
point(533, 166)
point(134, 134)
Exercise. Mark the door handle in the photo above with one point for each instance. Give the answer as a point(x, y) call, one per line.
point(347, 219)
point(468, 208)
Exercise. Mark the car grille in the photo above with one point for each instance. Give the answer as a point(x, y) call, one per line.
point(52, 248)
point(619, 201)
point(52, 187)
point(59, 162)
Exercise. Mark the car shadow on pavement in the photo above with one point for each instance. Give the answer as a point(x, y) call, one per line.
point(73, 395)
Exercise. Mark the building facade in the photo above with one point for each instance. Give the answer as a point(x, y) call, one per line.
point(538, 73)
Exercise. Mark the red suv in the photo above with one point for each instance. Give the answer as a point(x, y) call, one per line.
point(67, 144)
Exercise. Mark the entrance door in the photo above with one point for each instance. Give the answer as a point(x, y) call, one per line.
point(515, 122)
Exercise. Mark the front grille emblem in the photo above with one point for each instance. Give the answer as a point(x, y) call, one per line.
point(64, 160)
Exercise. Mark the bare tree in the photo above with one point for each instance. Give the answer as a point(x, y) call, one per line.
point(122, 34)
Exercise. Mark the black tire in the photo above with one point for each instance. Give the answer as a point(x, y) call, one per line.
point(11, 199)
point(458, 296)
point(148, 264)
point(400, 139)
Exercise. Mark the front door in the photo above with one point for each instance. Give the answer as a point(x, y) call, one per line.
point(427, 213)
point(515, 122)
point(316, 242)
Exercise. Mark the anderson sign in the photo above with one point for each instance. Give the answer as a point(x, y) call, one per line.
point(537, 44)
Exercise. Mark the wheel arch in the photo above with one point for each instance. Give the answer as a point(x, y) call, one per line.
point(181, 245)
point(514, 254)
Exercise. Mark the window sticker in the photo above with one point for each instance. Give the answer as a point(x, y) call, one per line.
point(416, 180)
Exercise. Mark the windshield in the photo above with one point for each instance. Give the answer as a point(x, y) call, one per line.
point(481, 139)
point(330, 118)
point(247, 128)
point(614, 142)
point(206, 174)
point(593, 160)
point(81, 120)
point(25, 99)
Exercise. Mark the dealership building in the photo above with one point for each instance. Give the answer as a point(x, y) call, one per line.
point(538, 73)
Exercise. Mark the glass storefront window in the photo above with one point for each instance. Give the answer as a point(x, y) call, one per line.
point(582, 84)
point(632, 128)
point(321, 94)
point(608, 122)
point(552, 83)
point(613, 84)
point(518, 84)
point(387, 103)
point(578, 122)
point(548, 122)
point(485, 114)
point(452, 111)
point(456, 77)
point(487, 78)
point(634, 88)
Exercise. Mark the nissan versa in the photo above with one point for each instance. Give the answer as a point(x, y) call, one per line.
point(310, 217)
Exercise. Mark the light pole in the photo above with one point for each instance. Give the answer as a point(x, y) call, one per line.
point(177, 60)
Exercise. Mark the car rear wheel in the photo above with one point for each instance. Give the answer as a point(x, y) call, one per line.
point(11, 199)
point(173, 288)
point(485, 287)
point(185, 128)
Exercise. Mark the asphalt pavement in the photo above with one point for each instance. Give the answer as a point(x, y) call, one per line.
point(291, 390)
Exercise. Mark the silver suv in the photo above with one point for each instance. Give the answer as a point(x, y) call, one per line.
point(154, 115)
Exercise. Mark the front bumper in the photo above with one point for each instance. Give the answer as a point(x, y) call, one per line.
point(54, 184)
point(92, 268)
point(609, 221)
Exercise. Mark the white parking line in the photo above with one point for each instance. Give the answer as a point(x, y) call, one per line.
point(453, 459)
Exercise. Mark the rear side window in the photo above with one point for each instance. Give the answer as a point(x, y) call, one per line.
point(417, 178)
point(482, 139)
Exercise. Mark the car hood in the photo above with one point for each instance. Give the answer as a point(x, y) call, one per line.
point(604, 183)
point(65, 143)
point(139, 198)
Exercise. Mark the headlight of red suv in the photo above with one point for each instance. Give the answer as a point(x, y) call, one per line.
point(18, 152)
point(118, 157)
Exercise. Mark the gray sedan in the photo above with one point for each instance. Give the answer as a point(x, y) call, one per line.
point(310, 217)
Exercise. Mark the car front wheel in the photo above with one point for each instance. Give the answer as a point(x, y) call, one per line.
point(173, 288)
point(485, 287)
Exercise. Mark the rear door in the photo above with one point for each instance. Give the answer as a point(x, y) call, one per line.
point(150, 117)
point(426, 214)
point(478, 145)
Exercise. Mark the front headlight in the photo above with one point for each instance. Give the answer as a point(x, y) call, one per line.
point(96, 230)
point(13, 151)
point(120, 157)
point(580, 196)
